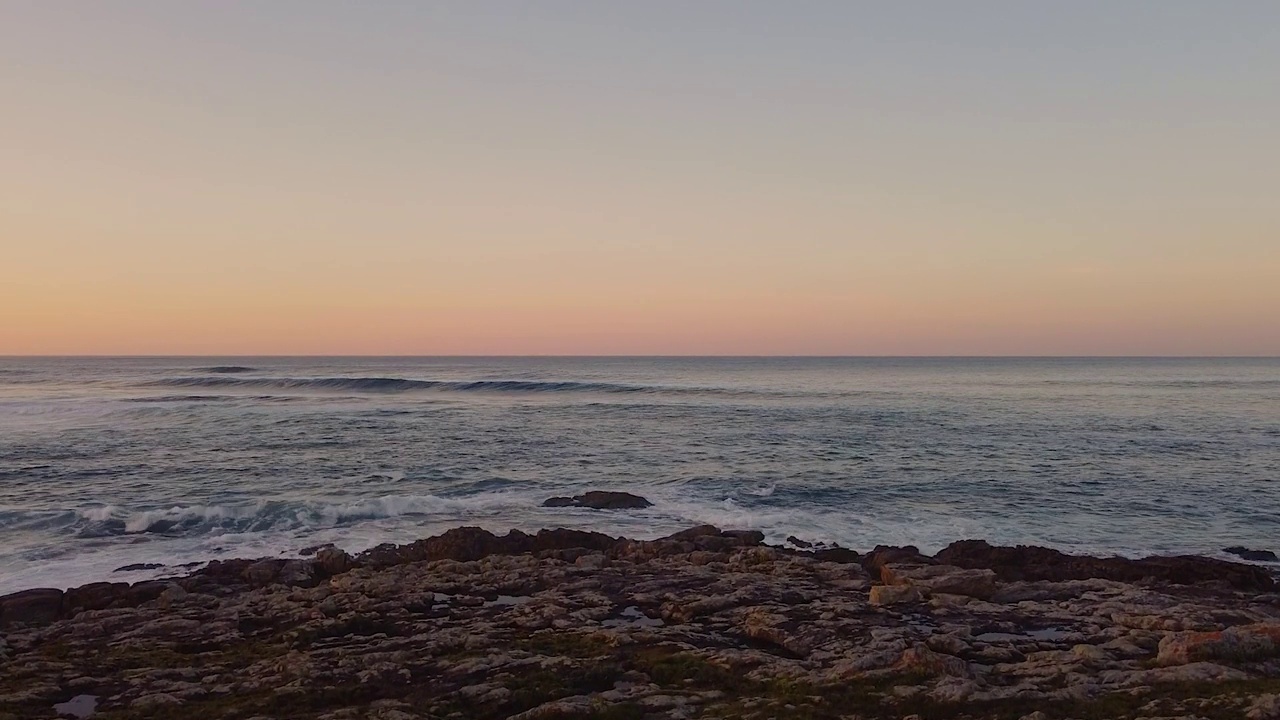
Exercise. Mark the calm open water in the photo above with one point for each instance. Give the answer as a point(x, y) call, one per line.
point(106, 462)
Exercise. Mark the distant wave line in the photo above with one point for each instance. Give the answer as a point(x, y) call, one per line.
point(397, 385)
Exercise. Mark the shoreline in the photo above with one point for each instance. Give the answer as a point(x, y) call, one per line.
point(702, 623)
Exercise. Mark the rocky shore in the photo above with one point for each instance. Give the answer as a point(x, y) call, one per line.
point(702, 624)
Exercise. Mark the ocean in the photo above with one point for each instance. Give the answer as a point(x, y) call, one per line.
point(112, 462)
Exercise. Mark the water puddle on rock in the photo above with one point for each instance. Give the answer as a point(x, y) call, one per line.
point(80, 706)
point(632, 617)
point(1042, 634)
point(508, 600)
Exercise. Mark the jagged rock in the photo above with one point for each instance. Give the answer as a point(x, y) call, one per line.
point(94, 596)
point(1247, 642)
point(600, 500)
point(1264, 707)
point(942, 579)
point(1255, 555)
point(330, 561)
point(893, 594)
point(38, 605)
point(571, 623)
point(884, 554)
point(138, 566)
point(263, 571)
point(1026, 562)
point(920, 659)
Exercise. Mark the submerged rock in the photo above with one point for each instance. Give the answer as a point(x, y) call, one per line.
point(600, 500)
point(1255, 555)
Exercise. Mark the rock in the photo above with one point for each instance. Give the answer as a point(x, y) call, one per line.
point(920, 659)
point(313, 549)
point(154, 701)
point(39, 605)
point(893, 594)
point(884, 554)
point(744, 538)
point(1264, 707)
point(798, 542)
point(172, 594)
point(263, 572)
point(837, 555)
point(138, 566)
point(297, 573)
point(948, 579)
point(1240, 643)
point(1255, 555)
point(1026, 562)
point(600, 500)
point(330, 561)
point(693, 533)
point(94, 596)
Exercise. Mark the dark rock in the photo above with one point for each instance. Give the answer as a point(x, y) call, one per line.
point(885, 554)
point(1026, 562)
point(837, 555)
point(40, 605)
point(297, 573)
point(600, 500)
point(1255, 555)
point(262, 572)
point(142, 592)
point(695, 532)
point(313, 549)
point(332, 561)
point(798, 542)
point(94, 596)
point(138, 566)
point(748, 538)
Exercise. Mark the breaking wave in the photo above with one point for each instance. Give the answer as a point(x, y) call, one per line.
point(262, 516)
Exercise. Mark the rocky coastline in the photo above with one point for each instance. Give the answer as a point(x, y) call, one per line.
point(701, 624)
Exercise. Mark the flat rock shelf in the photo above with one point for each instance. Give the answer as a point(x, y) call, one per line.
point(702, 624)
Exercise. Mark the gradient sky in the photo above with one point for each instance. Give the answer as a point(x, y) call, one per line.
point(640, 177)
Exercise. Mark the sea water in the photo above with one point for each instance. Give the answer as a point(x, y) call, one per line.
point(114, 462)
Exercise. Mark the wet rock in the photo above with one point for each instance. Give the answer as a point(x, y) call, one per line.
point(798, 542)
point(1026, 562)
point(1255, 555)
point(40, 605)
point(138, 566)
point(600, 500)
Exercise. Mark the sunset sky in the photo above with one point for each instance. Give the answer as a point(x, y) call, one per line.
point(476, 177)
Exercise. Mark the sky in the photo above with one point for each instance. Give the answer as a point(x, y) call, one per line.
point(606, 177)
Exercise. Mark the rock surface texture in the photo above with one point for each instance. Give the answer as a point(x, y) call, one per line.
point(702, 624)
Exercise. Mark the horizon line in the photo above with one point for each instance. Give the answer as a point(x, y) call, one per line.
point(143, 356)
